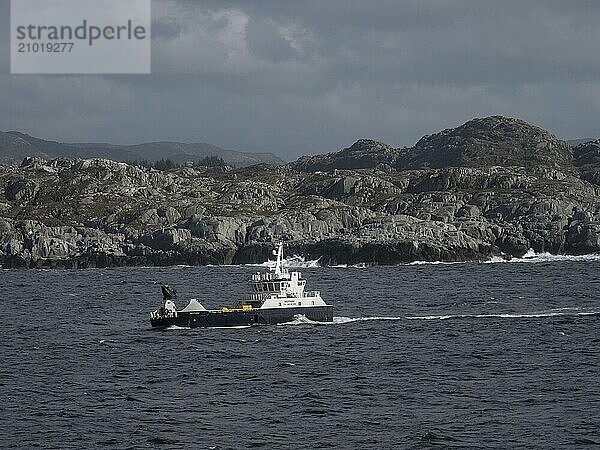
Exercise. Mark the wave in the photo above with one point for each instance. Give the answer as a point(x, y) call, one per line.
point(301, 319)
point(351, 266)
point(294, 261)
point(342, 320)
point(560, 312)
point(435, 263)
point(532, 257)
point(529, 257)
point(176, 327)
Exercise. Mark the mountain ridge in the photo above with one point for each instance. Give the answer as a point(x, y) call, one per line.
point(15, 146)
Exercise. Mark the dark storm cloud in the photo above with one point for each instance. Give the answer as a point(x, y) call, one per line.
point(296, 77)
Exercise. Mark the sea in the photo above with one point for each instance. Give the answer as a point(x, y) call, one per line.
point(498, 355)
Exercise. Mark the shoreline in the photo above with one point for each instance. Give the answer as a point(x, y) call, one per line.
point(85, 263)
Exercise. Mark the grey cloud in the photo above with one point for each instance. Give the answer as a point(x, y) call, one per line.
point(265, 41)
point(166, 28)
point(297, 77)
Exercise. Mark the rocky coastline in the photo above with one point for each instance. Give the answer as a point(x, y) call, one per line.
point(491, 187)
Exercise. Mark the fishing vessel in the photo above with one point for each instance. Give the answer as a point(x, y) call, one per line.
point(276, 296)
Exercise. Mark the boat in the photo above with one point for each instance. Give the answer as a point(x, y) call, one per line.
point(277, 296)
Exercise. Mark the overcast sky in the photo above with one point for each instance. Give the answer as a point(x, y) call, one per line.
point(296, 77)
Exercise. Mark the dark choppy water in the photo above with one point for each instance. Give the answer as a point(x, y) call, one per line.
point(495, 355)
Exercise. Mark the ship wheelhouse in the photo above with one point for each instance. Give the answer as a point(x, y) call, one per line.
point(280, 288)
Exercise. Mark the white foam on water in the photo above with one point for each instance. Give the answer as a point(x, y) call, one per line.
point(175, 327)
point(560, 312)
point(342, 320)
point(303, 320)
point(495, 259)
point(532, 257)
point(529, 257)
point(298, 262)
point(435, 263)
point(351, 266)
point(294, 261)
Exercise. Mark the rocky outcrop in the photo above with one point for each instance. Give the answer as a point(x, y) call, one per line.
point(92, 213)
point(491, 141)
point(21, 190)
point(363, 154)
point(587, 159)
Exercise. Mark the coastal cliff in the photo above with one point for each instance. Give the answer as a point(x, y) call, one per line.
point(493, 186)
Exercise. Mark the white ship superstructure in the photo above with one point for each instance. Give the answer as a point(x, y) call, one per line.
point(277, 296)
point(280, 288)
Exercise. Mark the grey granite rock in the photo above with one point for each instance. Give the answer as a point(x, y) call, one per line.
point(21, 190)
point(491, 141)
point(493, 186)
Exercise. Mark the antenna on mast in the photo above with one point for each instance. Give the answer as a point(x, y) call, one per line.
point(279, 262)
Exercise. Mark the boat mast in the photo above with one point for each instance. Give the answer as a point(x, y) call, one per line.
point(279, 263)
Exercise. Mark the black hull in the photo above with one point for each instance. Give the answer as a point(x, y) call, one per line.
point(218, 319)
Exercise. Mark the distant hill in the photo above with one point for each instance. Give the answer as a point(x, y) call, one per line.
point(15, 146)
point(490, 141)
point(363, 154)
point(576, 142)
